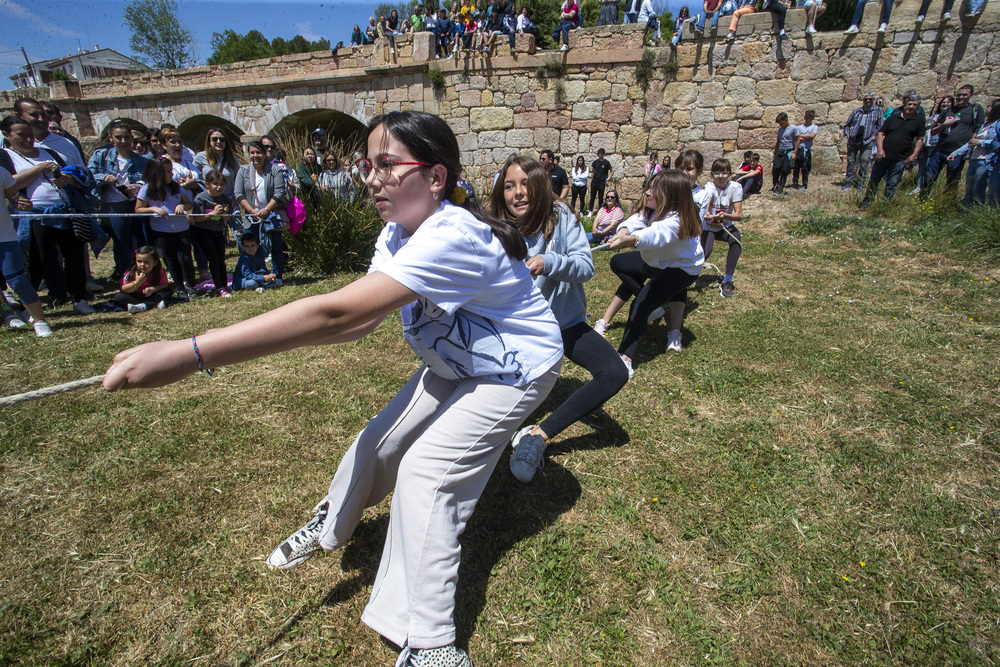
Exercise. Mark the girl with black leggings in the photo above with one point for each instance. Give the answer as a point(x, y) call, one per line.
point(560, 261)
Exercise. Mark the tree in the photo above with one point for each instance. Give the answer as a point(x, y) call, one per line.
point(385, 8)
point(157, 34)
point(232, 47)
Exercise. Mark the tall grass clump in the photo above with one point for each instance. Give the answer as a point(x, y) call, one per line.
point(977, 230)
point(817, 222)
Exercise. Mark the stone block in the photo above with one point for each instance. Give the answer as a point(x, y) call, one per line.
point(605, 140)
point(531, 119)
point(459, 125)
point(710, 150)
point(710, 94)
point(573, 91)
point(545, 99)
point(809, 66)
point(500, 155)
point(760, 140)
point(597, 90)
point(619, 92)
point(772, 93)
point(658, 115)
point(824, 90)
point(513, 85)
point(559, 119)
point(584, 143)
point(750, 112)
point(681, 118)
point(702, 116)
point(924, 83)
point(725, 113)
point(524, 43)
point(688, 134)
point(740, 90)
point(469, 98)
point(546, 138)
point(522, 138)
point(616, 112)
point(491, 118)
point(492, 139)
point(631, 141)
point(590, 126)
point(478, 82)
point(680, 94)
point(487, 98)
point(727, 130)
point(587, 110)
point(663, 138)
point(569, 141)
point(423, 47)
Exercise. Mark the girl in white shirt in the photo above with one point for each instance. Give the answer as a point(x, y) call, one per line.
point(669, 256)
point(581, 173)
point(725, 209)
point(491, 351)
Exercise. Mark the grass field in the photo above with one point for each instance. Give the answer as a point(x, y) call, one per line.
point(812, 481)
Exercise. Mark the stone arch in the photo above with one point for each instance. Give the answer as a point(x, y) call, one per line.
point(131, 122)
point(194, 128)
point(341, 128)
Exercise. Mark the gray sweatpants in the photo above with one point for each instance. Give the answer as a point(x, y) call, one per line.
point(437, 443)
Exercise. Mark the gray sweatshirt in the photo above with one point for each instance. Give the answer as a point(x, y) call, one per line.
point(568, 264)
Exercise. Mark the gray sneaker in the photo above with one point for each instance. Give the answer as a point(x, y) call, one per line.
point(302, 544)
point(443, 656)
point(528, 454)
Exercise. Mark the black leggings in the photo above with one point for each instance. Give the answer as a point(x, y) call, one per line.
point(596, 192)
point(62, 283)
point(651, 287)
point(778, 10)
point(175, 248)
point(213, 243)
point(803, 163)
point(124, 300)
point(581, 191)
point(588, 349)
point(730, 235)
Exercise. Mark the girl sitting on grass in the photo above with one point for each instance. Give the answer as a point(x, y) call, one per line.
point(146, 285)
point(491, 350)
point(559, 259)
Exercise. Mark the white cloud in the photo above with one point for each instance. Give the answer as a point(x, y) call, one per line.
point(12, 9)
point(304, 29)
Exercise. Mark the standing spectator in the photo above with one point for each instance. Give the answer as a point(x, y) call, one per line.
point(814, 9)
point(609, 13)
point(631, 13)
point(118, 171)
point(608, 217)
point(53, 114)
point(802, 153)
point(156, 149)
point(443, 33)
point(859, 12)
point(897, 146)
point(185, 173)
point(716, 9)
point(335, 179)
point(860, 129)
point(581, 174)
point(743, 7)
point(783, 147)
point(601, 170)
point(751, 175)
point(371, 32)
point(31, 112)
point(168, 204)
point(416, 20)
point(208, 227)
point(778, 9)
point(320, 142)
point(308, 175)
point(261, 193)
point(962, 122)
point(218, 155)
point(931, 140)
point(12, 263)
point(569, 15)
point(982, 159)
point(651, 168)
point(647, 17)
point(557, 175)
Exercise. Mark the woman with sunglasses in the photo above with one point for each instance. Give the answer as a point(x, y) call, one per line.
point(608, 218)
point(260, 193)
point(218, 155)
point(156, 149)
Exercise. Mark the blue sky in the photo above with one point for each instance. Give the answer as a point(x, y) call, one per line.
point(53, 28)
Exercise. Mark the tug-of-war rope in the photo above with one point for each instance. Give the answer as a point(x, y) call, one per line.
point(50, 391)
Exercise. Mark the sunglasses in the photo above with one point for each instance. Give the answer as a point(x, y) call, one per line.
point(221, 139)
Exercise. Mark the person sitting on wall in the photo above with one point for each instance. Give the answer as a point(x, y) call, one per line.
point(859, 13)
point(743, 7)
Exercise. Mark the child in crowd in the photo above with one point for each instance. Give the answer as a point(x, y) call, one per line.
point(251, 270)
point(560, 261)
point(784, 145)
point(751, 177)
point(666, 232)
point(802, 150)
point(608, 217)
point(168, 204)
point(724, 209)
point(491, 350)
point(146, 285)
point(212, 208)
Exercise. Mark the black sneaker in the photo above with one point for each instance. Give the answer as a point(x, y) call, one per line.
point(726, 288)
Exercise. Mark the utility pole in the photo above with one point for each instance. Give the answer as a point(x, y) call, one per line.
point(31, 72)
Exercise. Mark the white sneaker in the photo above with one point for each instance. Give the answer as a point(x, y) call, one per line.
point(565, 47)
point(920, 19)
point(732, 35)
point(259, 290)
point(302, 544)
point(915, 191)
point(811, 30)
point(83, 308)
point(14, 321)
point(528, 454)
point(628, 365)
point(882, 27)
point(161, 305)
point(137, 308)
point(674, 341)
point(42, 329)
point(656, 314)
point(853, 30)
point(946, 16)
point(601, 327)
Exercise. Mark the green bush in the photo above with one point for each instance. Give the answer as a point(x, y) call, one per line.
point(817, 222)
point(337, 236)
point(977, 230)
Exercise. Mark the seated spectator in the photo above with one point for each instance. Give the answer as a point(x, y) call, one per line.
point(386, 33)
point(569, 15)
point(607, 219)
point(743, 7)
point(814, 9)
point(946, 9)
point(683, 15)
point(716, 9)
point(778, 9)
point(608, 14)
point(371, 32)
point(859, 12)
point(751, 174)
point(251, 270)
point(394, 23)
point(357, 37)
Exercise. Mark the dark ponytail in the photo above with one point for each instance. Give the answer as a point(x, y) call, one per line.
point(430, 139)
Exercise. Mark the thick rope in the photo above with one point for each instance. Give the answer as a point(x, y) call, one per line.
point(50, 391)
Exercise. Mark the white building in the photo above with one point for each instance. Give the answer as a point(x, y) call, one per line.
point(78, 67)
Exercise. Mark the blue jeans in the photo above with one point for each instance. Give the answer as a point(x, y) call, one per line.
point(727, 8)
point(995, 186)
point(891, 171)
point(948, 4)
point(976, 180)
point(564, 28)
point(935, 162)
point(125, 235)
point(12, 267)
point(859, 11)
point(630, 17)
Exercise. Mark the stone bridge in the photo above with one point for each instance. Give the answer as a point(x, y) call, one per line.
point(608, 91)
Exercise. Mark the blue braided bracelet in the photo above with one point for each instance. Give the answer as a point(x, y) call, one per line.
point(197, 356)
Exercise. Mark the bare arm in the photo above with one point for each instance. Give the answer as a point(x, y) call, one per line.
point(340, 316)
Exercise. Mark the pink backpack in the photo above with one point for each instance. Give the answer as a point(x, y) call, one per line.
point(296, 211)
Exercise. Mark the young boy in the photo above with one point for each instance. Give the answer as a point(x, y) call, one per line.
point(251, 271)
point(725, 208)
point(208, 227)
point(783, 147)
point(751, 177)
point(802, 153)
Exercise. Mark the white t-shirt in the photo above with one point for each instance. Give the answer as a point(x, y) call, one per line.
point(7, 231)
point(111, 193)
point(701, 200)
point(721, 202)
point(40, 191)
point(169, 224)
point(67, 151)
point(660, 246)
point(184, 169)
point(806, 129)
point(260, 187)
point(479, 313)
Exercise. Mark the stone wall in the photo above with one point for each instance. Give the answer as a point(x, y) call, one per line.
point(716, 96)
